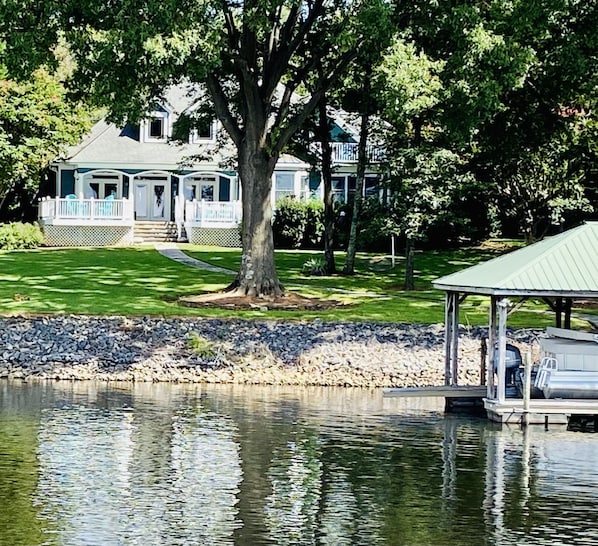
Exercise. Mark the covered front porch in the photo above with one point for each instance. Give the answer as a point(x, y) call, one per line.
point(102, 207)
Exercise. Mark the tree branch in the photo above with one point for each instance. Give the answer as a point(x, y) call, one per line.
point(287, 46)
point(222, 109)
point(299, 118)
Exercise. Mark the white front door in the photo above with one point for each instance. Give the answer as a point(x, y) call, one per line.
point(152, 200)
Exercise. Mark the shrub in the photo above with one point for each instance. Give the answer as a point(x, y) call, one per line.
point(17, 236)
point(290, 219)
point(201, 346)
point(314, 228)
point(314, 266)
point(298, 224)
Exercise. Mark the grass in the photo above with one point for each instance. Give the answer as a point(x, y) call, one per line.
point(139, 281)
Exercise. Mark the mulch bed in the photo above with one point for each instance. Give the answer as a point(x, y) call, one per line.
point(289, 302)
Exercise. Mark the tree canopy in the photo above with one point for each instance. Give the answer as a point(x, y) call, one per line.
point(37, 122)
point(254, 59)
point(492, 100)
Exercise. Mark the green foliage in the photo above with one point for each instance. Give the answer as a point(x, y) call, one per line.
point(314, 266)
point(314, 229)
point(201, 346)
point(290, 220)
point(541, 188)
point(413, 83)
point(298, 224)
point(17, 236)
point(37, 122)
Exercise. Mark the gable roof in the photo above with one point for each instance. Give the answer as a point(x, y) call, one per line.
point(564, 265)
point(109, 146)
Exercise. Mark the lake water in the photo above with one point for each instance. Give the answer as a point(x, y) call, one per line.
point(91, 464)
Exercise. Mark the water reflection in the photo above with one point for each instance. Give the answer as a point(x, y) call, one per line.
point(165, 464)
point(157, 474)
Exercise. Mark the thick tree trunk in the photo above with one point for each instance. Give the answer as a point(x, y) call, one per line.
point(349, 268)
point(257, 275)
point(329, 218)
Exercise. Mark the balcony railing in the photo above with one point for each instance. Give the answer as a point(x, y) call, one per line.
point(347, 152)
point(57, 210)
point(213, 213)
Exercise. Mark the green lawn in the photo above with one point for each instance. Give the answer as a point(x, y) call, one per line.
point(139, 281)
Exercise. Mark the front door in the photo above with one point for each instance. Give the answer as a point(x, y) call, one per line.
point(151, 200)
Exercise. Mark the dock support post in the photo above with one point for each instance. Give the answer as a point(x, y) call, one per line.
point(448, 338)
point(455, 345)
point(503, 305)
point(451, 338)
point(527, 389)
point(491, 349)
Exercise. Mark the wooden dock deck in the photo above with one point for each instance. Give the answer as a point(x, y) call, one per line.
point(511, 410)
point(540, 411)
point(445, 391)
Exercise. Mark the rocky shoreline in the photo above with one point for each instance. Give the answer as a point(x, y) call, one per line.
point(191, 350)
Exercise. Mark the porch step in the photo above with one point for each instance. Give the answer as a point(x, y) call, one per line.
point(152, 232)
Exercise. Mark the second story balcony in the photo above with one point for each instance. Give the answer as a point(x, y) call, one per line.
point(347, 152)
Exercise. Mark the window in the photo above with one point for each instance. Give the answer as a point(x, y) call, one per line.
point(201, 188)
point(102, 186)
point(338, 189)
point(204, 131)
point(284, 186)
point(157, 127)
point(351, 187)
point(344, 186)
point(371, 186)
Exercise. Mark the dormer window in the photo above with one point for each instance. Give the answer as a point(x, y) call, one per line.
point(203, 132)
point(156, 128)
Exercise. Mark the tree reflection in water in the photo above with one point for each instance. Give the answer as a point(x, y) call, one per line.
point(174, 464)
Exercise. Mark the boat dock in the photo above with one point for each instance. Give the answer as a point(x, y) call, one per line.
point(509, 411)
point(446, 391)
point(456, 397)
point(549, 411)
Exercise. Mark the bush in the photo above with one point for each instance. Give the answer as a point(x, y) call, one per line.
point(314, 266)
point(314, 229)
point(17, 236)
point(298, 224)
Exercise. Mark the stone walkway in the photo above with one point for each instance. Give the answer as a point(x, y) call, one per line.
point(170, 250)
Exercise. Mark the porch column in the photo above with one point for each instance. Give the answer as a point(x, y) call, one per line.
point(503, 306)
point(79, 187)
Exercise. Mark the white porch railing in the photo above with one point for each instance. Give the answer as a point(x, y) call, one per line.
point(213, 213)
point(57, 210)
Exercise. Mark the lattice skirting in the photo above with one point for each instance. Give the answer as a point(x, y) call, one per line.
point(87, 235)
point(227, 237)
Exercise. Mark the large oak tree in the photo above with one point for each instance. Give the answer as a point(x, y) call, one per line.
point(253, 58)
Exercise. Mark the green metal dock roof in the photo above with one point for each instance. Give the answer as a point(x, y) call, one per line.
point(563, 265)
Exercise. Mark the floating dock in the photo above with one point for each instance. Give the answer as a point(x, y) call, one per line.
point(540, 411)
point(511, 410)
point(446, 391)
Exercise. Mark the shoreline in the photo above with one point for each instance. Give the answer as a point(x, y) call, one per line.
point(235, 351)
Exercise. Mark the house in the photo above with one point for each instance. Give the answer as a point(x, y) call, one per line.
point(139, 182)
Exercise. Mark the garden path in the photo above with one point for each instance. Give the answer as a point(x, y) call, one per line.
point(170, 250)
